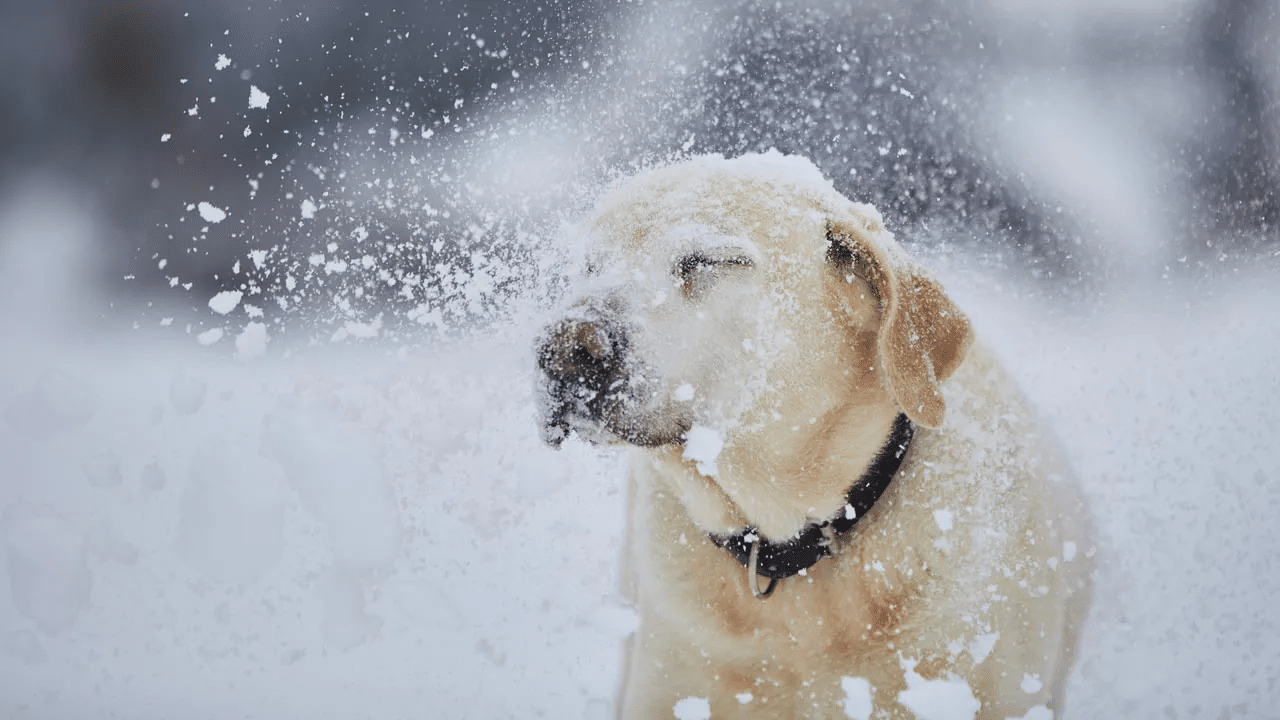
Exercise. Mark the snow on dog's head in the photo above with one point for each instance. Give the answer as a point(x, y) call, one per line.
point(737, 294)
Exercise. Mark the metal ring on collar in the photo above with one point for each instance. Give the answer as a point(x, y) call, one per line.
point(753, 577)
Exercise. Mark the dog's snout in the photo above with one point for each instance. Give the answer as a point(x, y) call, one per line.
point(582, 363)
point(579, 352)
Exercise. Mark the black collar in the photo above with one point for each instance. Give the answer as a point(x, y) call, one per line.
point(780, 560)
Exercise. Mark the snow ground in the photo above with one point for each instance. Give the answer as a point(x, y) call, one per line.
point(1169, 402)
point(372, 532)
point(198, 538)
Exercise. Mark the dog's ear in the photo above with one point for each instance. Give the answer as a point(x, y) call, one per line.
point(923, 337)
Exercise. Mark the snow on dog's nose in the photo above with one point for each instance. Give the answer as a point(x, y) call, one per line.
point(591, 382)
point(581, 363)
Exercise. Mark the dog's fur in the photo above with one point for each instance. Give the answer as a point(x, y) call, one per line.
point(746, 303)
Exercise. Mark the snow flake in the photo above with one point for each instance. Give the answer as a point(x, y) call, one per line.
point(209, 337)
point(225, 301)
point(359, 330)
point(211, 213)
point(257, 98)
point(252, 341)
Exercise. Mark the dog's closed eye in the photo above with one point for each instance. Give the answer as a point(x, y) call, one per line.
point(698, 271)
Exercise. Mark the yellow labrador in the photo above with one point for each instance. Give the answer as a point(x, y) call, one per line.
point(841, 506)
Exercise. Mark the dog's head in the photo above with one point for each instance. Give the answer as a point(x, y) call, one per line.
point(739, 294)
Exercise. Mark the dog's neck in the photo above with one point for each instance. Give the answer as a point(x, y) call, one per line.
point(780, 560)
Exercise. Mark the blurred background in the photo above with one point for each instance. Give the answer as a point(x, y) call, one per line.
point(1081, 143)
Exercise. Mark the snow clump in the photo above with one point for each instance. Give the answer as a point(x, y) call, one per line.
point(948, 698)
point(703, 445)
point(257, 98)
point(252, 341)
point(857, 698)
point(225, 301)
point(692, 708)
point(211, 213)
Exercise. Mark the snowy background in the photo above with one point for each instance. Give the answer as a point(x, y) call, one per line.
point(270, 277)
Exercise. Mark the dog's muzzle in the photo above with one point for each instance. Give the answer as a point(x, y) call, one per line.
point(591, 383)
point(583, 377)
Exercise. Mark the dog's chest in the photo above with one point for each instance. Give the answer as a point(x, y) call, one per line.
point(850, 602)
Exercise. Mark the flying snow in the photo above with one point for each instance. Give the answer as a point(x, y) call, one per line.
point(257, 98)
point(209, 337)
point(211, 213)
point(225, 301)
point(252, 341)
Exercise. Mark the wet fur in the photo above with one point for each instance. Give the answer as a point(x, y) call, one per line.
point(865, 335)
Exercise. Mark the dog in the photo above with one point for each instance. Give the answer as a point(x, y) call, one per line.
point(841, 506)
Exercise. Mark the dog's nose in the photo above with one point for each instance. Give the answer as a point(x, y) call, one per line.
point(582, 365)
point(579, 353)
